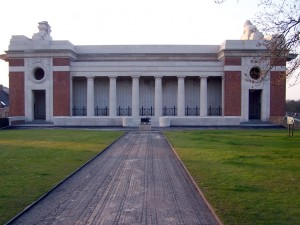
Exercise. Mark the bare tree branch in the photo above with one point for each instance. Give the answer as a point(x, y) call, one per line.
point(279, 21)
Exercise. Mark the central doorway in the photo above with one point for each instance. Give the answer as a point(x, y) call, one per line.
point(39, 104)
point(255, 104)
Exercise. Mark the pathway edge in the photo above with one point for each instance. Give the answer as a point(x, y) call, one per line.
point(27, 208)
point(195, 184)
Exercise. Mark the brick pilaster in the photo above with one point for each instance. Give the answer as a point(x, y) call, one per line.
point(61, 93)
point(277, 93)
point(61, 88)
point(16, 94)
point(232, 93)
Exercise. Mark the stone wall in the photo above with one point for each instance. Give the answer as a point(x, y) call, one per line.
point(280, 120)
point(4, 112)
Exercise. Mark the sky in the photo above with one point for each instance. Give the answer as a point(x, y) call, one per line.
point(128, 22)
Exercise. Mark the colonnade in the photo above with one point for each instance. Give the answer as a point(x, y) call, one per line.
point(136, 97)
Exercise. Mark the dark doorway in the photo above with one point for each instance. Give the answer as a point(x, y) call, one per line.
point(39, 104)
point(255, 104)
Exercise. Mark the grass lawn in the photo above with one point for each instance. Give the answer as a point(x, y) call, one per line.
point(33, 161)
point(249, 176)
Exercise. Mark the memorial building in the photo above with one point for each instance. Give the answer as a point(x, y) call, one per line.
point(116, 85)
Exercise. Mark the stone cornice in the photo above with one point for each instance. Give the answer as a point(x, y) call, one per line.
point(239, 53)
point(147, 57)
point(45, 53)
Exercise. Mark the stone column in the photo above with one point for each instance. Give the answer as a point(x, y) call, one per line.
point(223, 94)
point(203, 96)
point(181, 97)
point(113, 96)
point(71, 96)
point(158, 96)
point(135, 96)
point(90, 96)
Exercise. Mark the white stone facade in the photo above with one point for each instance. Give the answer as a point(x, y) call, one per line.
point(174, 85)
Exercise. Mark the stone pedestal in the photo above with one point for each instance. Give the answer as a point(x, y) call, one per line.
point(145, 127)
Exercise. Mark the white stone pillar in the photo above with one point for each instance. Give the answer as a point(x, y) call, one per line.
point(113, 96)
point(135, 96)
point(203, 96)
point(90, 96)
point(71, 96)
point(158, 97)
point(223, 94)
point(181, 97)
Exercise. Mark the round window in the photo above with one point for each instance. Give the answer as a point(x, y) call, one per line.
point(39, 73)
point(255, 73)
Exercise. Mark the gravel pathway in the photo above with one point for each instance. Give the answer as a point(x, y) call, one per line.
point(138, 180)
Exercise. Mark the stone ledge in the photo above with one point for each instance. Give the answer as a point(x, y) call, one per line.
point(145, 127)
point(88, 121)
point(201, 121)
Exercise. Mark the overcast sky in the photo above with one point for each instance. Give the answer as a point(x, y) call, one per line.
point(117, 22)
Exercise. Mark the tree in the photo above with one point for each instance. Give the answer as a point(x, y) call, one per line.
point(293, 106)
point(279, 21)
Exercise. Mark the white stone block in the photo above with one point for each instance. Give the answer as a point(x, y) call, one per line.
point(87, 121)
point(164, 122)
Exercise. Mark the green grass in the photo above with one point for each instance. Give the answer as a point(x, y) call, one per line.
point(33, 161)
point(249, 176)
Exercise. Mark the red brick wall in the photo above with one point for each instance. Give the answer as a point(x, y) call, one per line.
point(61, 93)
point(232, 93)
point(232, 61)
point(16, 62)
point(277, 93)
point(16, 94)
point(278, 62)
point(61, 62)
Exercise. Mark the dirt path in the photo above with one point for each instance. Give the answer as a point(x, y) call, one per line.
point(138, 180)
